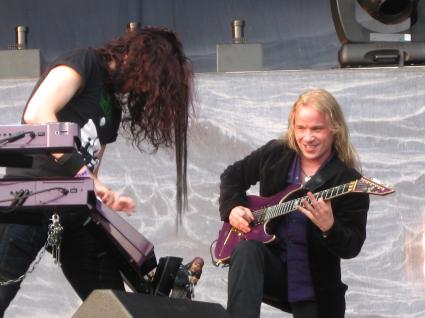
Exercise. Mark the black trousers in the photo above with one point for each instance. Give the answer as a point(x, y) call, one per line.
point(87, 260)
point(257, 275)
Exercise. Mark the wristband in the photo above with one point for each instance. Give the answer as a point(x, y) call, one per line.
point(71, 162)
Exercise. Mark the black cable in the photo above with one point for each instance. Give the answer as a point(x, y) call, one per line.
point(216, 264)
point(22, 195)
point(16, 137)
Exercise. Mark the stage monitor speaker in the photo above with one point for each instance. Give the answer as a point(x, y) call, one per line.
point(118, 304)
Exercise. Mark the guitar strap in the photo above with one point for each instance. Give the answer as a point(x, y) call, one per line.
point(324, 174)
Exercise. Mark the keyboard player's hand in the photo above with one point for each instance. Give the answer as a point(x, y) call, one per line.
point(112, 199)
point(116, 202)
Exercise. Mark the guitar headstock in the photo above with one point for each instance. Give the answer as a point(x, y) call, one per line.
point(370, 186)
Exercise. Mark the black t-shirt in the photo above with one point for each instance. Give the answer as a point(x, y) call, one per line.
point(92, 102)
point(93, 108)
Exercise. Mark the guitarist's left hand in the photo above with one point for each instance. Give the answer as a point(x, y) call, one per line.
point(318, 211)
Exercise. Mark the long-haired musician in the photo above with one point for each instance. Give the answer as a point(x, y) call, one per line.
point(142, 81)
point(300, 272)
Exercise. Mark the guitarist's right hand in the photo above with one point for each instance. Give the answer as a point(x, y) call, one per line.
point(240, 217)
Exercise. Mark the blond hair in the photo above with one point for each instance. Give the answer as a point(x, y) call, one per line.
point(324, 102)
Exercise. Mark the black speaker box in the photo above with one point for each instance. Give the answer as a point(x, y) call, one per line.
point(118, 304)
point(382, 54)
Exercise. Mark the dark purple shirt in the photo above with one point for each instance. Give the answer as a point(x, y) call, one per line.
point(292, 233)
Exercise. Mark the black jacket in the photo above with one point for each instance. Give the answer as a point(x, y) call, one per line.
point(269, 165)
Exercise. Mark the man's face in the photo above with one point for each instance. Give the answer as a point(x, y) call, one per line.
point(195, 267)
point(313, 134)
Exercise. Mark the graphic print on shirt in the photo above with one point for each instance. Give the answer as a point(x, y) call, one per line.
point(106, 105)
point(90, 145)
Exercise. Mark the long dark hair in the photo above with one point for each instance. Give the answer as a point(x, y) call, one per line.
point(148, 68)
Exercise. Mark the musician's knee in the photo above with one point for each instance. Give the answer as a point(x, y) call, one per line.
point(248, 249)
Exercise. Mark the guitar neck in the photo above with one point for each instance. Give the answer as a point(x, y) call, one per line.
point(283, 208)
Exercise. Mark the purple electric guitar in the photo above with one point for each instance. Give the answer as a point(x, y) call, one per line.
point(265, 209)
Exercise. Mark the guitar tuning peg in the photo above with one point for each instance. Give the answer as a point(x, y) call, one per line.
point(380, 182)
point(376, 180)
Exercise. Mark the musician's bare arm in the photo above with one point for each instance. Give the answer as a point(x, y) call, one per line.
point(52, 95)
point(111, 198)
point(56, 90)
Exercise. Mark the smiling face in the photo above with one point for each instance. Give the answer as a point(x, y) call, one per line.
point(313, 135)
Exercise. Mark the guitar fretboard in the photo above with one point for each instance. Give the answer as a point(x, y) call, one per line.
point(283, 208)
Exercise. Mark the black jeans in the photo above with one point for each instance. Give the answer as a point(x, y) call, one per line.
point(257, 274)
point(87, 261)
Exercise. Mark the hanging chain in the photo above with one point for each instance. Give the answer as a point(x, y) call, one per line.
point(30, 269)
point(54, 236)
